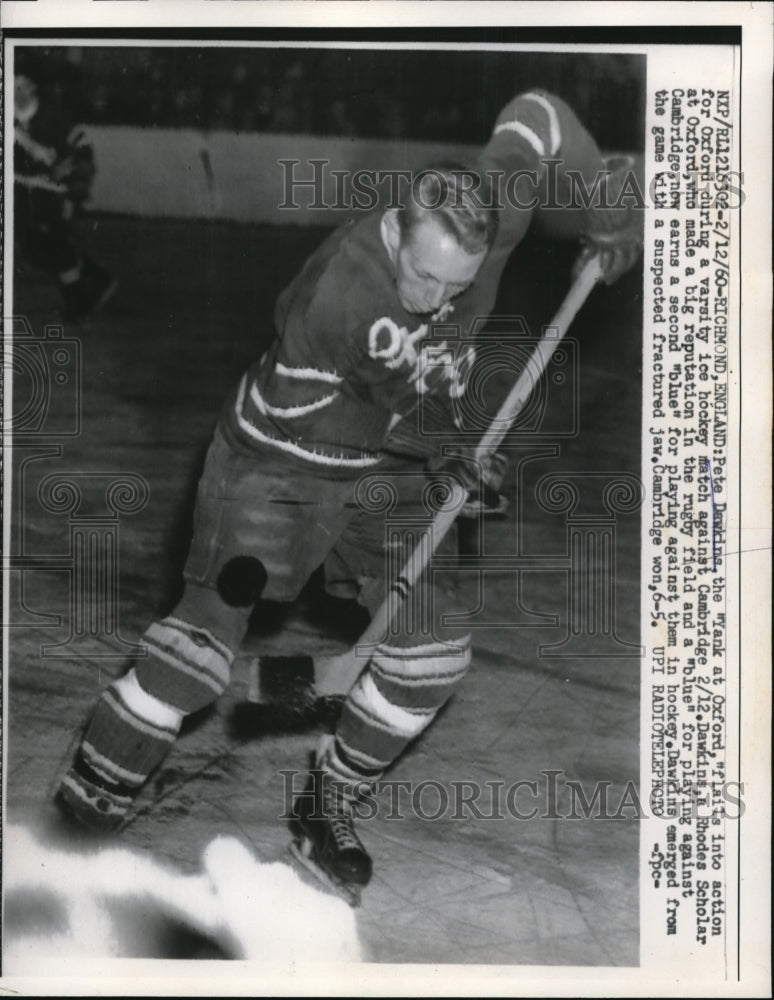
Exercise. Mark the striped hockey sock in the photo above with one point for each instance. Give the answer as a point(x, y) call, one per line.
point(129, 735)
point(138, 718)
point(392, 702)
point(187, 667)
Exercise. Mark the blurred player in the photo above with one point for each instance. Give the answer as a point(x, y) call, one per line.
point(278, 497)
point(51, 177)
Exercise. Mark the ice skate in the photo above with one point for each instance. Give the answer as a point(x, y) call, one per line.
point(325, 842)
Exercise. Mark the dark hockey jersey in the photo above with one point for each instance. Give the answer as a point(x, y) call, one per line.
point(348, 360)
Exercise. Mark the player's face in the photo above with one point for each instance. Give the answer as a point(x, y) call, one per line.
point(25, 97)
point(431, 267)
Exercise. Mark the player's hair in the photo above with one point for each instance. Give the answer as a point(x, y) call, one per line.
point(459, 198)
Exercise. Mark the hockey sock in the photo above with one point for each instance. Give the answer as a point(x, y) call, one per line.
point(128, 736)
point(130, 733)
point(139, 716)
point(187, 667)
point(391, 703)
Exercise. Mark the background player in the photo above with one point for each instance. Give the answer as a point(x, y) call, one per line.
point(53, 174)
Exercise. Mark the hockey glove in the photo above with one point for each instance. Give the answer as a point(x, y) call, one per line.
point(482, 478)
point(614, 226)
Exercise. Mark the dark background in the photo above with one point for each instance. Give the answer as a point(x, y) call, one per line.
point(431, 95)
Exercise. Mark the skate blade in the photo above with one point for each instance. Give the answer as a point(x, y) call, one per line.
point(302, 851)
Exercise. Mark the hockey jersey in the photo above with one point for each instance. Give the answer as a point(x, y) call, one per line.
point(348, 361)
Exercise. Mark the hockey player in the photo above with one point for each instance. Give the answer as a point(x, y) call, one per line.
point(537, 141)
point(279, 493)
point(52, 175)
point(278, 489)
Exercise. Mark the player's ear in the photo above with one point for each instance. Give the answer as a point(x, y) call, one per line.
point(391, 232)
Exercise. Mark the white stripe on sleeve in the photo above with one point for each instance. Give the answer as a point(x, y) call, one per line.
point(526, 133)
point(553, 120)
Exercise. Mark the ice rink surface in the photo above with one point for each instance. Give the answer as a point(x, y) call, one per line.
point(194, 307)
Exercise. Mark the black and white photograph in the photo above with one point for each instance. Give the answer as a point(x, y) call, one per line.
point(369, 491)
